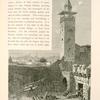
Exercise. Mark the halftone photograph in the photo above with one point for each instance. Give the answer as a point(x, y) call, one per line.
point(49, 50)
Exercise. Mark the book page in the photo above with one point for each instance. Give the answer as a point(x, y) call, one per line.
point(47, 50)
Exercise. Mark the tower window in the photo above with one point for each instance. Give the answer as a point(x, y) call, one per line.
point(69, 49)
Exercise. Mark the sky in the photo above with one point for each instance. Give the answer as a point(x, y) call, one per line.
point(83, 21)
point(83, 26)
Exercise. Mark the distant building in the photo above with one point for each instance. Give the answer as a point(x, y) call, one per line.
point(83, 54)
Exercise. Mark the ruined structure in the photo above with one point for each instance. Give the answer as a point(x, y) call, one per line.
point(72, 53)
point(82, 76)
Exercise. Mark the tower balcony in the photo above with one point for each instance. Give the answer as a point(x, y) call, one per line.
point(67, 18)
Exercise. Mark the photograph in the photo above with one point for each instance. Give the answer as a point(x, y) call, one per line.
point(62, 69)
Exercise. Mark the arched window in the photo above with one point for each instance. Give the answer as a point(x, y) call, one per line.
point(65, 82)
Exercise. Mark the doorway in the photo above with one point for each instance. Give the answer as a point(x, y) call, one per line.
point(80, 89)
point(65, 82)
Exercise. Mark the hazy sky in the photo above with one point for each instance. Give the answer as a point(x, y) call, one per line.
point(83, 21)
point(83, 26)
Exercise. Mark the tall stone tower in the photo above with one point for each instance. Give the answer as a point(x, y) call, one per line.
point(67, 33)
point(67, 39)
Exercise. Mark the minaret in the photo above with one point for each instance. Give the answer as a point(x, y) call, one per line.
point(67, 33)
